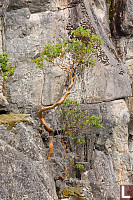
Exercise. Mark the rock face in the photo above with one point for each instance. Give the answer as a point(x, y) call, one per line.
point(24, 171)
point(121, 21)
point(26, 26)
point(122, 32)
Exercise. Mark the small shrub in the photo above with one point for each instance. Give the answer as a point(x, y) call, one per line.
point(79, 166)
point(6, 67)
point(75, 120)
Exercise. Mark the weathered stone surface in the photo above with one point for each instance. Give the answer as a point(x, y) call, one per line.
point(122, 30)
point(3, 102)
point(121, 17)
point(25, 37)
point(101, 83)
point(102, 90)
point(24, 171)
point(112, 139)
point(116, 142)
point(105, 153)
point(33, 30)
point(101, 176)
point(100, 9)
point(40, 6)
point(33, 5)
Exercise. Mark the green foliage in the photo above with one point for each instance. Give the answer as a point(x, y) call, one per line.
point(74, 120)
point(79, 166)
point(6, 68)
point(80, 141)
point(80, 48)
point(108, 2)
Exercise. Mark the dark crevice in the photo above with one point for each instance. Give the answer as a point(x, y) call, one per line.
point(86, 149)
point(3, 112)
point(78, 174)
point(45, 142)
point(110, 100)
point(43, 7)
point(103, 101)
point(58, 132)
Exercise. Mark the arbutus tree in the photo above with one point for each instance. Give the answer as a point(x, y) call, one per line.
point(72, 56)
point(74, 120)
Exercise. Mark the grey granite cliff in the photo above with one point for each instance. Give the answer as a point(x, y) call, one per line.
point(105, 90)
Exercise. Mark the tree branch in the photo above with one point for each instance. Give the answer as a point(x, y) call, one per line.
point(40, 114)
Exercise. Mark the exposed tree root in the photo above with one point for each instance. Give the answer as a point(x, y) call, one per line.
point(65, 145)
point(51, 147)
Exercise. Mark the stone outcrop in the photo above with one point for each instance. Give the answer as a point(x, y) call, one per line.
point(122, 34)
point(26, 26)
point(121, 17)
point(24, 171)
point(122, 31)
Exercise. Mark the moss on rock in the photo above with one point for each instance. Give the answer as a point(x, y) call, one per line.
point(74, 192)
point(13, 119)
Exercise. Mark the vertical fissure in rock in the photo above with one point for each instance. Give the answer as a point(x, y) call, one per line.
point(2, 29)
point(86, 149)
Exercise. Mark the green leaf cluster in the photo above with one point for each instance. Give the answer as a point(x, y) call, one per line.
point(80, 47)
point(79, 166)
point(75, 120)
point(6, 67)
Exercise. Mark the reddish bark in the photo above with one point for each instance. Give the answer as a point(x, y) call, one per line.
point(40, 113)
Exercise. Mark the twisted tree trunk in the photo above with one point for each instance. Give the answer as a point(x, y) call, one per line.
point(40, 113)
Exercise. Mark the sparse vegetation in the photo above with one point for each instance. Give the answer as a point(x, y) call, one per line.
point(71, 56)
point(6, 67)
point(79, 166)
point(75, 120)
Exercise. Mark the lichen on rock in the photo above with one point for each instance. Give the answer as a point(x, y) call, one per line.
point(74, 192)
point(13, 119)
